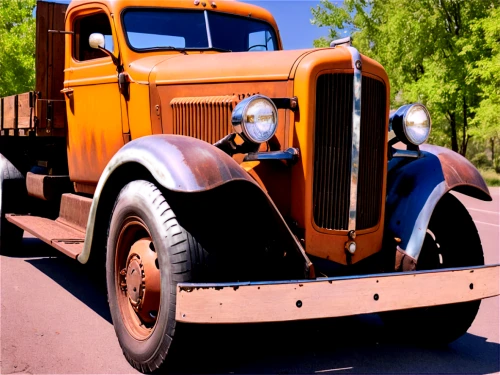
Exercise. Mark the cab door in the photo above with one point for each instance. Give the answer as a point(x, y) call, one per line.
point(92, 97)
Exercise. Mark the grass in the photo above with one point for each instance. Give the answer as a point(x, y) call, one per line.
point(491, 177)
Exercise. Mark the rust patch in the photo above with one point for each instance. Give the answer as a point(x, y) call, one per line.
point(404, 262)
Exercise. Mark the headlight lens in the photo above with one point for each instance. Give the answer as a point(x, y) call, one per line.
point(412, 124)
point(417, 124)
point(256, 117)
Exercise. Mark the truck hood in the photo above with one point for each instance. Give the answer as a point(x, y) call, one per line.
point(216, 67)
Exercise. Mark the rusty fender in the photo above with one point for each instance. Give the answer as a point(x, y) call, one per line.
point(180, 164)
point(415, 186)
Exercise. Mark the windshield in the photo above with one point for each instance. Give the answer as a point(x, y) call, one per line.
point(156, 29)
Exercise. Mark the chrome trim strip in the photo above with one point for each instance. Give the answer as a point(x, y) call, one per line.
point(356, 135)
point(417, 237)
point(405, 154)
point(209, 35)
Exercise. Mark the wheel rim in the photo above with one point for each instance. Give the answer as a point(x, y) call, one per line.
point(137, 278)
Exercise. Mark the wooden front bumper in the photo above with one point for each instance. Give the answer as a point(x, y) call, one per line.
point(332, 297)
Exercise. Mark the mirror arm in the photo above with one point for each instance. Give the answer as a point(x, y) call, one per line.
point(115, 59)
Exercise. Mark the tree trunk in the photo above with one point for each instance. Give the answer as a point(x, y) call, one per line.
point(492, 141)
point(465, 137)
point(453, 126)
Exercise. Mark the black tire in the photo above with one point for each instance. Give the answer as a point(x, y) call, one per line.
point(177, 255)
point(452, 240)
point(12, 198)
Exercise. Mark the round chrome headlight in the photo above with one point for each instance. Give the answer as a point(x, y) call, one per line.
point(256, 118)
point(412, 124)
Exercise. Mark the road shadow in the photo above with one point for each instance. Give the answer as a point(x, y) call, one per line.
point(83, 281)
point(355, 345)
point(31, 248)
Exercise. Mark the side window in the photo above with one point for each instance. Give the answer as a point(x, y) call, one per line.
point(260, 41)
point(83, 27)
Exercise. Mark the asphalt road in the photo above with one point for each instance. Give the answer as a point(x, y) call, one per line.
point(55, 320)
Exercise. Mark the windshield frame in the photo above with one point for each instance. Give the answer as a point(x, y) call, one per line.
point(207, 25)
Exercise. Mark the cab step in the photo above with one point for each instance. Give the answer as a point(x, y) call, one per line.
point(60, 236)
point(67, 232)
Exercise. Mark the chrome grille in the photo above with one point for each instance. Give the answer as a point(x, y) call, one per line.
point(332, 152)
point(207, 118)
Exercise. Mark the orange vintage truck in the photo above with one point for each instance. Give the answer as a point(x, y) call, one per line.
point(221, 179)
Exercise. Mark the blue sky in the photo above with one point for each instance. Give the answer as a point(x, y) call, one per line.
point(294, 21)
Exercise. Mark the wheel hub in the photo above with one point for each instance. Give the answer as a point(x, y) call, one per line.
point(142, 280)
point(135, 281)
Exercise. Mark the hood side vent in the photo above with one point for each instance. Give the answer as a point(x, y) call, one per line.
point(205, 117)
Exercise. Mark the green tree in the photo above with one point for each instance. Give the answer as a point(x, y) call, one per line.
point(485, 73)
point(423, 45)
point(17, 46)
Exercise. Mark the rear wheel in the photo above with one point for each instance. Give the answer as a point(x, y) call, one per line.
point(12, 198)
point(452, 240)
point(148, 253)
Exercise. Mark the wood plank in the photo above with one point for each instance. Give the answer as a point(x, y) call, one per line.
point(42, 52)
point(23, 111)
point(10, 112)
point(1, 115)
point(300, 300)
point(58, 59)
point(50, 46)
point(65, 239)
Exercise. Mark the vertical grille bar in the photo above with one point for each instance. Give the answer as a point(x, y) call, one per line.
point(332, 154)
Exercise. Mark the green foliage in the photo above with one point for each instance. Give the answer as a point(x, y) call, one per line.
point(490, 177)
point(17, 46)
point(443, 53)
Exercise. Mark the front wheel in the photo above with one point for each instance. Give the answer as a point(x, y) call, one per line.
point(451, 241)
point(148, 253)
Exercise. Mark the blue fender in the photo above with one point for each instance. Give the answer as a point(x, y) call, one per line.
point(415, 186)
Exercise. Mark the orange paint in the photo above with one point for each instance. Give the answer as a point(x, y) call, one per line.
point(194, 94)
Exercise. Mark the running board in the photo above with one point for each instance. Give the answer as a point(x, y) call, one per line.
point(58, 235)
point(67, 232)
point(332, 297)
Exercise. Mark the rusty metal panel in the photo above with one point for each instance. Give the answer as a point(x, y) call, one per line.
point(207, 118)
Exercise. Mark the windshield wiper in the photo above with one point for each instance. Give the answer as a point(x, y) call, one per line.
point(217, 49)
point(171, 48)
point(184, 50)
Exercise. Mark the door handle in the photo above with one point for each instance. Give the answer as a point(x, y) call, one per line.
point(67, 92)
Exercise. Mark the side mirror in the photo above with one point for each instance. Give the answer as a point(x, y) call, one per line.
point(96, 40)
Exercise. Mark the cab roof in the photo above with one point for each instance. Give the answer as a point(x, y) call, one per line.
point(226, 6)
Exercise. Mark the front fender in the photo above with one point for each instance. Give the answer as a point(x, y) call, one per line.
point(177, 163)
point(415, 186)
